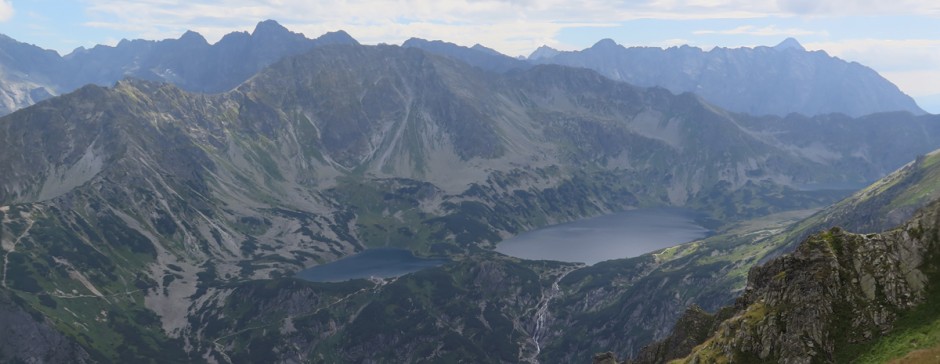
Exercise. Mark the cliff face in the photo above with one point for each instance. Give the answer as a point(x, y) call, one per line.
point(836, 290)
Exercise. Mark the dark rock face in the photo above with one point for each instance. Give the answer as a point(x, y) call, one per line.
point(763, 80)
point(29, 338)
point(692, 328)
point(605, 358)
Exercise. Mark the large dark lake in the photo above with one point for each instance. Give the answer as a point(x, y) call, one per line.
point(621, 235)
point(380, 263)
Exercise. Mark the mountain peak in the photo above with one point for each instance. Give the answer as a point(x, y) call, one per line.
point(193, 37)
point(605, 43)
point(411, 42)
point(789, 43)
point(543, 52)
point(269, 27)
point(485, 49)
point(337, 37)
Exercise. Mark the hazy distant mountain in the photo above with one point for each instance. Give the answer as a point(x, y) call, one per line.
point(30, 74)
point(543, 52)
point(477, 56)
point(762, 80)
point(26, 74)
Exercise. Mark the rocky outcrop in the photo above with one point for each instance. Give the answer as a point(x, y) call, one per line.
point(605, 358)
point(693, 328)
point(836, 289)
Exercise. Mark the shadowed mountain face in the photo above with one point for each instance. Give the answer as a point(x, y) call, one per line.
point(763, 80)
point(163, 206)
point(32, 74)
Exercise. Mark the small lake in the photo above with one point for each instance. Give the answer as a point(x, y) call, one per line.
point(380, 262)
point(620, 235)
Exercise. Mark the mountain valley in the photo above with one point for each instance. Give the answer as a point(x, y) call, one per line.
point(163, 217)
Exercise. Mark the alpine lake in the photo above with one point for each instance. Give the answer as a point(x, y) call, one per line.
point(614, 236)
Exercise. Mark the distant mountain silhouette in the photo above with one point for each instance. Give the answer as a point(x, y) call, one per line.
point(477, 56)
point(763, 80)
point(31, 74)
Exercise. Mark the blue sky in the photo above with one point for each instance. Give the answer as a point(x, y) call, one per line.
point(900, 39)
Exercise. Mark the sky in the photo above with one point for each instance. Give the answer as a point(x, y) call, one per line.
point(898, 38)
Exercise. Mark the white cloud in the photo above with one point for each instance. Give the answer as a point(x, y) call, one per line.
point(857, 7)
point(770, 30)
point(916, 83)
point(885, 54)
point(909, 63)
point(674, 42)
point(514, 27)
point(6, 10)
point(510, 26)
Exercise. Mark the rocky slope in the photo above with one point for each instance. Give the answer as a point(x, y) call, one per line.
point(843, 291)
point(139, 218)
point(763, 80)
point(835, 290)
point(722, 262)
point(892, 200)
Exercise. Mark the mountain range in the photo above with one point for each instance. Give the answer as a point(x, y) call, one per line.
point(31, 74)
point(161, 218)
point(775, 80)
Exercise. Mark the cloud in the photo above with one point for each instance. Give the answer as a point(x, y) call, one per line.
point(674, 42)
point(770, 30)
point(856, 7)
point(911, 64)
point(6, 10)
point(510, 26)
point(885, 55)
point(916, 83)
point(514, 27)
